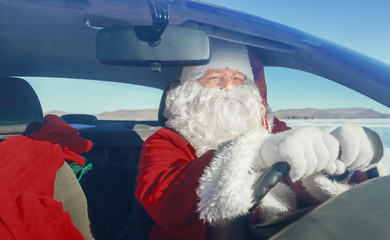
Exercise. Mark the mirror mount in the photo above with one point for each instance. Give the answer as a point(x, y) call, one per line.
point(160, 16)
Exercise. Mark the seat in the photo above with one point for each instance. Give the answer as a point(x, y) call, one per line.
point(20, 109)
point(21, 114)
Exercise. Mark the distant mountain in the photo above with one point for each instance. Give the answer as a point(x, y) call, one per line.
point(336, 113)
point(147, 114)
point(55, 112)
point(307, 113)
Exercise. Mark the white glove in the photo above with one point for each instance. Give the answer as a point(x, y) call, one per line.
point(307, 150)
point(361, 148)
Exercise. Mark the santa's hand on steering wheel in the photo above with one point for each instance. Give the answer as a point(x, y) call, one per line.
point(310, 150)
point(306, 150)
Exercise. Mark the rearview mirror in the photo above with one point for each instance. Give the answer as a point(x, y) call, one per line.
point(178, 46)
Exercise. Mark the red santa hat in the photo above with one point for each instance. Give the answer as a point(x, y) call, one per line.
point(224, 55)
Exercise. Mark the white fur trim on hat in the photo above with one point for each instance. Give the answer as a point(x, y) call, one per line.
point(224, 55)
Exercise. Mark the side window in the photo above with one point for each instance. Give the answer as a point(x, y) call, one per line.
point(106, 100)
point(302, 99)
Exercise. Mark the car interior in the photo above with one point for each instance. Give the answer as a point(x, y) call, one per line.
point(120, 44)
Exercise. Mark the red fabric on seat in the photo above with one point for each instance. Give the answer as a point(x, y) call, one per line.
point(57, 131)
point(27, 174)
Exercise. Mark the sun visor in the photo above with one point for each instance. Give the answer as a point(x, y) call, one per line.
point(177, 46)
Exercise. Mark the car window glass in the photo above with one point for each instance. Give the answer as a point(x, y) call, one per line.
point(290, 90)
point(106, 100)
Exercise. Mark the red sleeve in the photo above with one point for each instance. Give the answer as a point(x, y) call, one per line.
point(168, 178)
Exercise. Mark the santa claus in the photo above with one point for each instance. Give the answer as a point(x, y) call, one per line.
point(199, 170)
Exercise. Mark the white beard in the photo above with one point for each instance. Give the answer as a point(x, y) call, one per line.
point(207, 117)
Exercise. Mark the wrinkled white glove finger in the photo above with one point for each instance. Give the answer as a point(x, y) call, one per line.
point(268, 153)
point(298, 166)
point(336, 167)
point(303, 150)
point(320, 152)
point(360, 147)
point(330, 168)
point(366, 153)
point(297, 163)
point(349, 144)
point(283, 147)
point(308, 152)
point(340, 167)
point(376, 145)
point(312, 157)
point(332, 148)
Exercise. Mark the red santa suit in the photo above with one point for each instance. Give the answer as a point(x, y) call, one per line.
point(177, 188)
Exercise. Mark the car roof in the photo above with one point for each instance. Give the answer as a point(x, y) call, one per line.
point(57, 39)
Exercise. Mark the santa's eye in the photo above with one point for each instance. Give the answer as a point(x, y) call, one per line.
point(239, 77)
point(215, 79)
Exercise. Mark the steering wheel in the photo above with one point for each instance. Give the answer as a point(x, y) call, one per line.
point(268, 180)
point(241, 228)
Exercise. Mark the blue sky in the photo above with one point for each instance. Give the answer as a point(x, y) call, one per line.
point(361, 25)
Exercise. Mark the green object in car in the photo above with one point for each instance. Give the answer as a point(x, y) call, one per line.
point(84, 170)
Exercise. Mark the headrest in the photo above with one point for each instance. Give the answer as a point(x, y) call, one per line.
point(171, 85)
point(20, 109)
point(161, 118)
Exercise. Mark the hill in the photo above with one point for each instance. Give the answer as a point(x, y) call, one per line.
point(337, 113)
point(307, 113)
point(147, 114)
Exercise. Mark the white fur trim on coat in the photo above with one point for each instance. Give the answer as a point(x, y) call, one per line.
point(322, 188)
point(278, 202)
point(225, 189)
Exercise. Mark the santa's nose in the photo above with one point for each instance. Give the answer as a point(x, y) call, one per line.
point(229, 85)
